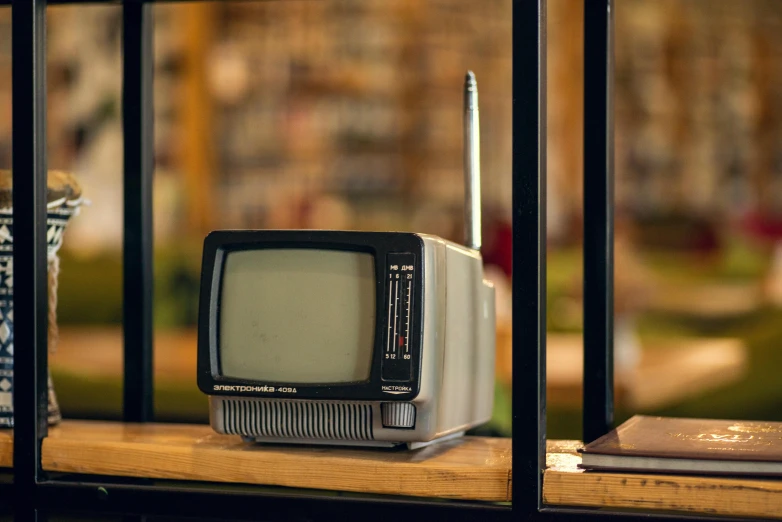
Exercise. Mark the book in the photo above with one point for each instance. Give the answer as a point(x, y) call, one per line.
point(690, 446)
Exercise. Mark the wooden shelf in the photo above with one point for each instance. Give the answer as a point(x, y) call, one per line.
point(564, 484)
point(6, 448)
point(473, 468)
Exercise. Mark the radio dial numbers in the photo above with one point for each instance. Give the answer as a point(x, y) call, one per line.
point(400, 289)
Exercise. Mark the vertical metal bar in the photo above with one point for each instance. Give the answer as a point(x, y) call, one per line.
point(29, 260)
point(598, 219)
point(529, 253)
point(137, 114)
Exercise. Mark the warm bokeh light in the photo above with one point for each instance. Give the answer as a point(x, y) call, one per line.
point(346, 114)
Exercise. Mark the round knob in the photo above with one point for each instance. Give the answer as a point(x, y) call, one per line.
point(398, 414)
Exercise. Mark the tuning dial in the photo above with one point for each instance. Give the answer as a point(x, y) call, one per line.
point(398, 415)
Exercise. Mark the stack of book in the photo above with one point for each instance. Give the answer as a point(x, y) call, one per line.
point(688, 446)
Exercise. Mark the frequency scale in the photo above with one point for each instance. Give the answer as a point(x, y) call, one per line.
point(397, 363)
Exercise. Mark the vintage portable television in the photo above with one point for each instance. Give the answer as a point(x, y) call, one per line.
point(349, 338)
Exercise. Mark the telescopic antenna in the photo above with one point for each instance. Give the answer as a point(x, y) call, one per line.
point(472, 164)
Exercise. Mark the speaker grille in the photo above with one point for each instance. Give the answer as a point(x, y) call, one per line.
point(298, 419)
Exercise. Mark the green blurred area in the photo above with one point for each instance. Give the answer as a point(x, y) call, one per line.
point(90, 293)
point(101, 398)
point(90, 287)
point(758, 396)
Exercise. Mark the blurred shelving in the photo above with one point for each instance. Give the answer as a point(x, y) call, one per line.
point(266, 105)
point(669, 371)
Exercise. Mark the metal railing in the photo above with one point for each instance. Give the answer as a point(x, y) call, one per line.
point(34, 493)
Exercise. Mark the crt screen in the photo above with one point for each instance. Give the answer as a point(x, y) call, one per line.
point(297, 316)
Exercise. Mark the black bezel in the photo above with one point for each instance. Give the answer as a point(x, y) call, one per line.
point(217, 244)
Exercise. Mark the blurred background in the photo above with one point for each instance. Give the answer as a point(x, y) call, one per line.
point(346, 114)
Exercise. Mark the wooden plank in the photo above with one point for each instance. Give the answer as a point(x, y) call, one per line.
point(473, 468)
point(679, 369)
point(6, 448)
point(564, 484)
point(97, 351)
point(708, 301)
point(670, 370)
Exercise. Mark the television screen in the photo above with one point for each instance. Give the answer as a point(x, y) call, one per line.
point(297, 316)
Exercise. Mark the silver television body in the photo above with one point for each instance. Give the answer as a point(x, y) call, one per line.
point(456, 377)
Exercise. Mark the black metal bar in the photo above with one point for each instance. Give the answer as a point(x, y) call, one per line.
point(237, 502)
point(30, 397)
point(163, 498)
point(529, 253)
point(7, 493)
point(137, 118)
point(562, 514)
point(598, 220)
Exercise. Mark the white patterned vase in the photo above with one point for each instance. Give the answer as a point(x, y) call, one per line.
point(58, 214)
